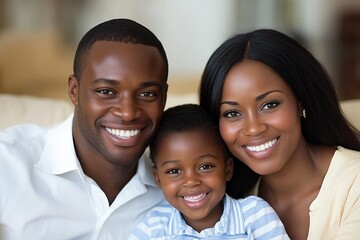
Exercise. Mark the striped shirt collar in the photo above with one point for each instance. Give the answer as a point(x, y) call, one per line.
point(231, 222)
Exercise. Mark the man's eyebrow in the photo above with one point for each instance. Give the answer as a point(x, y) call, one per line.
point(115, 82)
point(152, 83)
point(106, 80)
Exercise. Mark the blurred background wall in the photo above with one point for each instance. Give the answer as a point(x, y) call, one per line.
point(38, 37)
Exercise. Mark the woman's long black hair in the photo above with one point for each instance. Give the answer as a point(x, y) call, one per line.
point(325, 123)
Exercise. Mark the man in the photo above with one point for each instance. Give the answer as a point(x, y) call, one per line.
point(88, 178)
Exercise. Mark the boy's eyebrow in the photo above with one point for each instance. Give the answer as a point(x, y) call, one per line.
point(196, 159)
point(168, 162)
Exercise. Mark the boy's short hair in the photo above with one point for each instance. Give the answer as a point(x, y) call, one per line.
point(187, 118)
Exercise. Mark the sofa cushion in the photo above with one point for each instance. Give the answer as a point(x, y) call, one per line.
point(351, 109)
point(18, 109)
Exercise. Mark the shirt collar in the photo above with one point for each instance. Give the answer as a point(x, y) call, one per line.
point(178, 226)
point(59, 155)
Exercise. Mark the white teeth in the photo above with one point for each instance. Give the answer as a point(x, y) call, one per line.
point(122, 133)
point(261, 147)
point(195, 198)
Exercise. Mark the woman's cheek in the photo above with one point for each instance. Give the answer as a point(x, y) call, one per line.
point(228, 131)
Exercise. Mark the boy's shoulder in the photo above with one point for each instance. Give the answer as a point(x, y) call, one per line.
point(162, 208)
point(249, 201)
point(248, 206)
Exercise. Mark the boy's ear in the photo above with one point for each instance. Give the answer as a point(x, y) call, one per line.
point(156, 177)
point(229, 168)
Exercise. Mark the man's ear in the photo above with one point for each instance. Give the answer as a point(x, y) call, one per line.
point(229, 168)
point(73, 89)
point(156, 177)
point(165, 94)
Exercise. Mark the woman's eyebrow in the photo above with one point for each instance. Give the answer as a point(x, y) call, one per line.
point(265, 94)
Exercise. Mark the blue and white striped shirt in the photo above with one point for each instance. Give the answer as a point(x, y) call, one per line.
point(248, 218)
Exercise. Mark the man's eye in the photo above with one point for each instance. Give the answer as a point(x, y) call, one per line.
point(147, 94)
point(106, 92)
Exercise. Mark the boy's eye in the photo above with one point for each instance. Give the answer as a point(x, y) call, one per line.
point(206, 167)
point(173, 171)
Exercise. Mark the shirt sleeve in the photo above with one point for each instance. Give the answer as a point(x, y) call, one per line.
point(261, 221)
point(349, 228)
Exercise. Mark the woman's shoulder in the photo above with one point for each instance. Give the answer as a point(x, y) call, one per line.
point(344, 168)
point(346, 158)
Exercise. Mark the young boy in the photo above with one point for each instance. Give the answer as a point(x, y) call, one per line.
point(191, 166)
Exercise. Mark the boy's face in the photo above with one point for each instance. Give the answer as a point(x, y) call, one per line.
point(192, 172)
point(119, 101)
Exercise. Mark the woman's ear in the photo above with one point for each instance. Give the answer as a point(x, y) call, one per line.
point(301, 108)
point(229, 168)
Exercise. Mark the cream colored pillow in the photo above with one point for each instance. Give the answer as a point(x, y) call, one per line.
point(351, 110)
point(17, 109)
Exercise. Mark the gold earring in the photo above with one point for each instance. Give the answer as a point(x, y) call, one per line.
point(304, 113)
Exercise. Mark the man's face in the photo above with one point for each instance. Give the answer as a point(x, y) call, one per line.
point(119, 101)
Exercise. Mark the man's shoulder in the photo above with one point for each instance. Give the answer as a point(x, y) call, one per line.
point(24, 143)
point(20, 137)
point(19, 144)
point(21, 132)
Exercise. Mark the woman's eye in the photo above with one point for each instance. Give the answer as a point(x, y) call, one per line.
point(106, 92)
point(270, 105)
point(231, 114)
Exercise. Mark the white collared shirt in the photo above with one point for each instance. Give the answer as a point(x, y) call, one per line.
point(44, 193)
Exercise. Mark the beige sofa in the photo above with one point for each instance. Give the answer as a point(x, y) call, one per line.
point(17, 109)
point(47, 111)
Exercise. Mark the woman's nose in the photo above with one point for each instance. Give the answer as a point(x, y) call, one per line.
point(253, 125)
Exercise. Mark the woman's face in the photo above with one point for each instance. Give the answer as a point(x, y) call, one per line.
point(259, 117)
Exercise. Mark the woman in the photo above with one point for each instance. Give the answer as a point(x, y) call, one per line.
point(280, 116)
